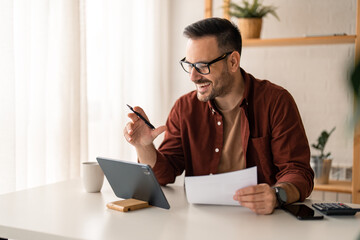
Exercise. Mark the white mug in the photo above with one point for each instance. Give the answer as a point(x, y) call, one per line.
point(92, 176)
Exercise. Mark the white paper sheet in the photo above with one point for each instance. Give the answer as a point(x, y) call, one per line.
point(219, 188)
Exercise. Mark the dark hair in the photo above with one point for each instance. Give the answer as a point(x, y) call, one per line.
point(227, 34)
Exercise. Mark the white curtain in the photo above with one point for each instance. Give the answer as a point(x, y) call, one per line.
point(67, 68)
point(127, 63)
point(41, 104)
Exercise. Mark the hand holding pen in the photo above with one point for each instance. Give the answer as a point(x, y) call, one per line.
point(142, 118)
point(136, 133)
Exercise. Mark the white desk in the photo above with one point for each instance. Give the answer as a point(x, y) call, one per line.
point(65, 211)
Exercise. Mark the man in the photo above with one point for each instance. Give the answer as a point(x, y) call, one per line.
point(232, 121)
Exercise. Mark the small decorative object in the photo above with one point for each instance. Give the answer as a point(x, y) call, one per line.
point(250, 17)
point(322, 163)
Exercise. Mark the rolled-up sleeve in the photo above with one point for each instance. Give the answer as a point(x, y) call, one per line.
point(170, 156)
point(289, 145)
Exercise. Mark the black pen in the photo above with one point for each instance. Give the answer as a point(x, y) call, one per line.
point(140, 116)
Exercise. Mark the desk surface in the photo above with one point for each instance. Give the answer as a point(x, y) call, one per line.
point(65, 211)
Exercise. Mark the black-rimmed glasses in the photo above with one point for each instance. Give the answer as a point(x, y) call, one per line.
point(201, 67)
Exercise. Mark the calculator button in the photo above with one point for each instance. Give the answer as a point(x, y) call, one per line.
point(335, 208)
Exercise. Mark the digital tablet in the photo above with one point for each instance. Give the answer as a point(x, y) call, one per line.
point(133, 180)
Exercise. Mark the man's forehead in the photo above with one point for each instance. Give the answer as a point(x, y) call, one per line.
point(202, 49)
point(207, 41)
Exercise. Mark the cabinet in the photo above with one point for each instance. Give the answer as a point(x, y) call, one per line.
point(352, 187)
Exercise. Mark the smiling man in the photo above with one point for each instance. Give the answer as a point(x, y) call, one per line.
point(230, 122)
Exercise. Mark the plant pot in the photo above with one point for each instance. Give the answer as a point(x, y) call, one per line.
point(250, 27)
point(321, 169)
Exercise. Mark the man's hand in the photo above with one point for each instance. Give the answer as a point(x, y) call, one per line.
point(260, 198)
point(137, 133)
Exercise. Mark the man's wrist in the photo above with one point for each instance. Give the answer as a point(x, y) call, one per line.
point(292, 191)
point(147, 154)
point(281, 196)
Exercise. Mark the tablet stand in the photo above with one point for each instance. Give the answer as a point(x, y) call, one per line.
point(126, 205)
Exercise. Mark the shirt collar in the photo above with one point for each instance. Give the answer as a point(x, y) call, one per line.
point(247, 83)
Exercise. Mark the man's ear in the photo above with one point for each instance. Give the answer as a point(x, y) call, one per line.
point(234, 60)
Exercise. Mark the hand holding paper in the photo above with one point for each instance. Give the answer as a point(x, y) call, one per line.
point(219, 188)
point(260, 198)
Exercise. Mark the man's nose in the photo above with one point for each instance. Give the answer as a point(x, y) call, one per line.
point(194, 75)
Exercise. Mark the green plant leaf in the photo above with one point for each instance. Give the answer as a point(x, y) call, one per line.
point(254, 10)
point(321, 142)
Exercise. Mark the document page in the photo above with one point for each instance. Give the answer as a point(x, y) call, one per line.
point(219, 188)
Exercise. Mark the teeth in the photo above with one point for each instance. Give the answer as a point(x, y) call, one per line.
point(204, 84)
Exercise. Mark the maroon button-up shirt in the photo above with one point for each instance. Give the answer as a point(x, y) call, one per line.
point(272, 134)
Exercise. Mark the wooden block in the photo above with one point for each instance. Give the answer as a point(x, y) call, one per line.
point(127, 205)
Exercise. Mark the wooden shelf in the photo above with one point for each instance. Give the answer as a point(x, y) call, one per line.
point(335, 186)
point(299, 41)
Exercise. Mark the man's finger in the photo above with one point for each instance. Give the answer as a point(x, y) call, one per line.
point(253, 205)
point(259, 207)
point(127, 132)
point(257, 197)
point(158, 131)
point(133, 117)
point(253, 189)
point(250, 190)
point(141, 111)
point(128, 128)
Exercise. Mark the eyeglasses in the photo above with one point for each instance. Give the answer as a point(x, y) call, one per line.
point(201, 67)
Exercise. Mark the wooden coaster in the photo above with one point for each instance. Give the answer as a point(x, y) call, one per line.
point(127, 205)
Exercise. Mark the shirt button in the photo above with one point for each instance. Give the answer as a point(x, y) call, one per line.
point(216, 150)
point(219, 123)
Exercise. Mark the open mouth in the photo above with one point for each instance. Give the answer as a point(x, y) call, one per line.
point(202, 87)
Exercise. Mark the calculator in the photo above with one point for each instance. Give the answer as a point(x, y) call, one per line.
point(335, 208)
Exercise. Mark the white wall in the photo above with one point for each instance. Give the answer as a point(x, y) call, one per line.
point(315, 75)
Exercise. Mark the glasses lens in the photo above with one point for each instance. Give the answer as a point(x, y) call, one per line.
point(186, 66)
point(202, 68)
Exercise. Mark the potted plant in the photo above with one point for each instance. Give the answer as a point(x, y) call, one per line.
point(322, 163)
point(250, 17)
